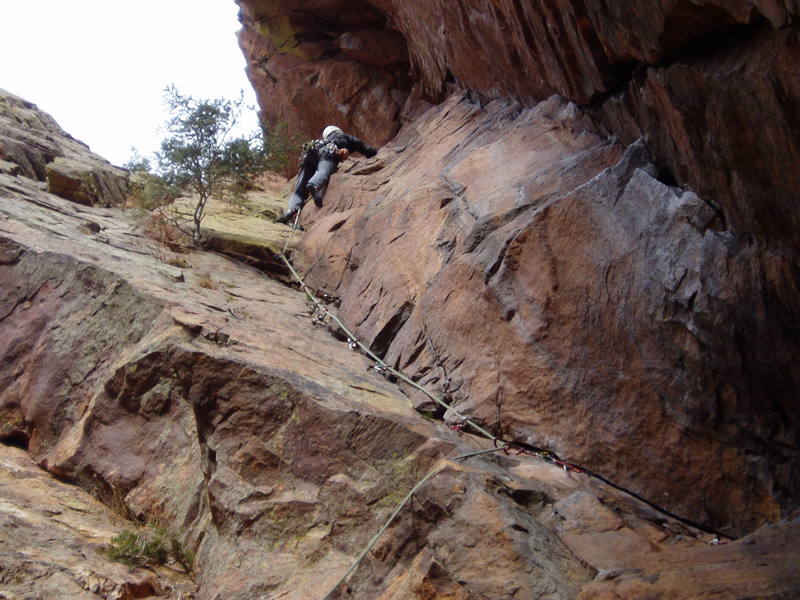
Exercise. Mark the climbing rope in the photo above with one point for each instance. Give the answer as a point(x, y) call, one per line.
point(500, 445)
point(433, 472)
point(381, 366)
point(289, 235)
point(379, 533)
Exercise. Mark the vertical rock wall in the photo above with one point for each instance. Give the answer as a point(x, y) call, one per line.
point(571, 300)
point(626, 304)
point(326, 63)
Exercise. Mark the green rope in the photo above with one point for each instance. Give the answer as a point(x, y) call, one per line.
point(383, 528)
point(479, 452)
point(381, 362)
point(402, 376)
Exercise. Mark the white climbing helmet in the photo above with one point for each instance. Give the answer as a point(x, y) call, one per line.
point(329, 130)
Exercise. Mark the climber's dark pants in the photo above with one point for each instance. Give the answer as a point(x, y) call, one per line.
point(312, 172)
point(325, 169)
point(300, 194)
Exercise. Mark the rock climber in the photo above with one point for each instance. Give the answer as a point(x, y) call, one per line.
point(318, 162)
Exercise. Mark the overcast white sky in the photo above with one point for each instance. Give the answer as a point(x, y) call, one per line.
point(99, 66)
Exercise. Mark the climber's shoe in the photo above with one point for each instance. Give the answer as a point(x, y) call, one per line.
point(316, 194)
point(287, 216)
point(297, 226)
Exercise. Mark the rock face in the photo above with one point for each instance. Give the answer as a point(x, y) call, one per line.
point(581, 231)
point(726, 124)
point(52, 537)
point(605, 274)
point(32, 144)
point(208, 400)
point(710, 85)
point(334, 64)
point(574, 302)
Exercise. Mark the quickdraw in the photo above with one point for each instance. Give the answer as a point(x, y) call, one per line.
point(380, 369)
point(568, 467)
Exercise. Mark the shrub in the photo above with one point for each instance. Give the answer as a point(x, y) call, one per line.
point(151, 545)
point(282, 149)
point(159, 226)
point(137, 162)
point(149, 191)
point(205, 281)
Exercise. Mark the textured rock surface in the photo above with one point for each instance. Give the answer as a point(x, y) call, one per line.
point(245, 230)
point(86, 182)
point(329, 62)
point(580, 49)
point(727, 124)
point(711, 86)
point(223, 412)
point(574, 302)
point(51, 541)
point(619, 314)
point(39, 149)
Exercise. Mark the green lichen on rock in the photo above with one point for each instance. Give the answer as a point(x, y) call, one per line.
point(278, 31)
point(403, 476)
point(281, 32)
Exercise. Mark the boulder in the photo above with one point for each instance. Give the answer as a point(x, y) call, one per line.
point(87, 183)
point(39, 149)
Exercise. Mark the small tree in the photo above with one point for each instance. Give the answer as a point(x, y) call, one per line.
point(137, 163)
point(283, 148)
point(146, 190)
point(200, 155)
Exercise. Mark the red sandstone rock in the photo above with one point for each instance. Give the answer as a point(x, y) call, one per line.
point(224, 413)
point(726, 124)
point(304, 79)
point(51, 540)
point(722, 84)
point(573, 302)
point(40, 149)
point(568, 298)
point(716, 331)
point(379, 48)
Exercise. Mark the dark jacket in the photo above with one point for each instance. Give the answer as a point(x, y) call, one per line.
point(352, 143)
point(317, 150)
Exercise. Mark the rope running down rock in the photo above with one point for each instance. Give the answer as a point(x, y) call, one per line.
point(500, 445)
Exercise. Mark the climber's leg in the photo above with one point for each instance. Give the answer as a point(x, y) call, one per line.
point(300, 193)
point(319, 182)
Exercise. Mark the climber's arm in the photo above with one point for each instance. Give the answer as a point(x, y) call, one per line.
point(356, 145)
